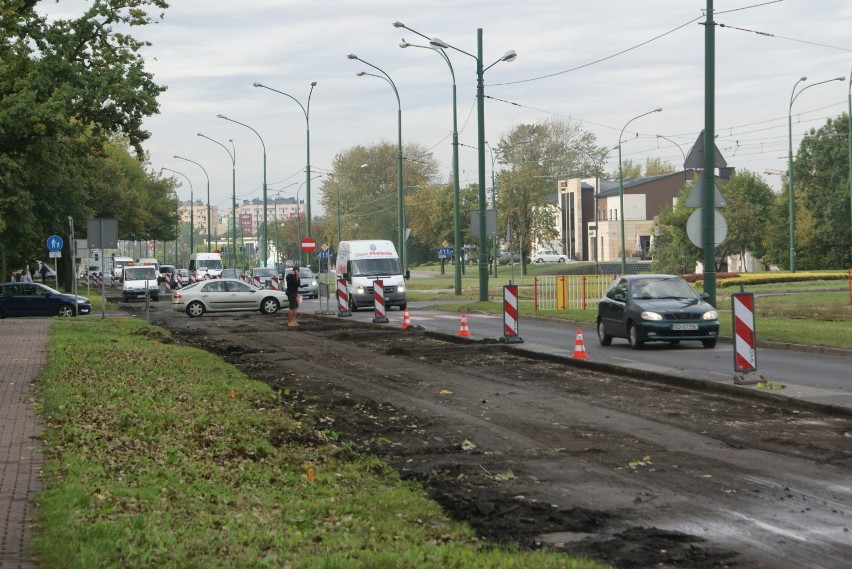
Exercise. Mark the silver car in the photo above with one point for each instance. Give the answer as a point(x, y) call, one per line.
point(308, 284)
point(227, 295)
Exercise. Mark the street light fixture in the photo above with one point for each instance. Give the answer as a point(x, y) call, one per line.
point(191, 208)
point(849, 122)
point(233, 157)
point(621, 191)
point(480, 98)
point(457, 244)
point(306, 109)
point(676, 144)
point(793, 96)
point(263, 245)
point(208, 195)
point(401, 198)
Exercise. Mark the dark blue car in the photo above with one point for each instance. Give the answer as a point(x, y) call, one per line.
point(33, 299)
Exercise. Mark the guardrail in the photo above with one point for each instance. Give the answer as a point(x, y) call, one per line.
point(563, 292)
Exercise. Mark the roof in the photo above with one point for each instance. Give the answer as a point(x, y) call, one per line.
point(612, 187)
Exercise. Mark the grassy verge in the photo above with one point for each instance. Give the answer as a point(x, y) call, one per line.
point(165, 456)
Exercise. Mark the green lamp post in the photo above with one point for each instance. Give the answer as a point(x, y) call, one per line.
point(233, 157)
point(191, 208)
point(208, 195)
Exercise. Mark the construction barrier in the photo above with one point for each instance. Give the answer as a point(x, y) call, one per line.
point(563, 292)
point(463, 329)
point(274, 283)
point(579, 346)
point(379, 302)
point(510, 314)
point(745, 350)
point(406, 319)
point(342, 299)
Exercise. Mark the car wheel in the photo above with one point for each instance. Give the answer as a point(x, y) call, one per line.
point(561, 260)
point(353, 306)
point(156, 298)
point(539, 260)
point(269, 306)
point(65, 310)
point(194, 309)
point(711, 343)
point(126, 299)
point(403, 306)
point(604, 338)
point(633, 338)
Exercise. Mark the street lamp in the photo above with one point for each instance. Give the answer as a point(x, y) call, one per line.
point(208, 195)
point(849, 137)
point(676, 144)
point(480, 98)
point(457, 244)
point(263, 244)
point(233, 157)
point(307, 112)
point(191, 208)
point(793, 96)
point(401, 212)
point(621, 190)
point(299, 217)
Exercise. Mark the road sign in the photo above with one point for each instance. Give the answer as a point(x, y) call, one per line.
point(54, 243)
point(308, 244)
point(445, 252)
point(694, 229)
point(325, 253)
point(324, 247)
point(445, 243)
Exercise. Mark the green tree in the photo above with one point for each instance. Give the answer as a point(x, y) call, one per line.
point(653, 167)
point(748, 215)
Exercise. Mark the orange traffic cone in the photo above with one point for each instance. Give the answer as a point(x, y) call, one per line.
point(406, 319)
point(463, 331)
point(579, 346)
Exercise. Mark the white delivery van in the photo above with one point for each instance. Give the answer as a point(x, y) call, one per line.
point(149, 261)
point(361, 263)
point(140, 280)
point(118, 264)
point(205, 266)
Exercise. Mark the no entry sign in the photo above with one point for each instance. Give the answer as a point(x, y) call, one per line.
point(308, 244)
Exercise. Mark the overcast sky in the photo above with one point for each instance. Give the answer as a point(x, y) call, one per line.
point(598, 62)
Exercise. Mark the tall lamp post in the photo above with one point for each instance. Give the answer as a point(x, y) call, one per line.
point(306, 110)
point(480, 99)
point(457, 244)
point(191, 208)
point(621, 190)
point(401, 196)
point(849, 122)
point(233, 157)
point(676, 144)
point(793, 96)
point(263, 243)
point(208, 195)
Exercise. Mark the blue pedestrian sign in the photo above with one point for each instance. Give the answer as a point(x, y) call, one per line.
point(327, 254)
point(54, 243)
point(445, 252)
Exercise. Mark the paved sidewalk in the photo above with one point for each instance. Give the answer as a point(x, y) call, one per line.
point(22, 345)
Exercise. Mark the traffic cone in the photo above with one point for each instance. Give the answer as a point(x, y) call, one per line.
point(406, 319)
point(463, 331)
point(579, 346)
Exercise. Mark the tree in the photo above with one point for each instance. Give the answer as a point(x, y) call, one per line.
point(653, 167)
point(748, 215)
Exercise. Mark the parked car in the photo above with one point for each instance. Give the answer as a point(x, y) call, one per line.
point(35, 299)
point(308, 284)
point(656, 308)
point(507, 257)
point(262, 276)
point(226, 295)
point(166, 272)
point(549, 257)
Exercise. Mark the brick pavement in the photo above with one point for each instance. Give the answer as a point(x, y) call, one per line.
point(22, 355)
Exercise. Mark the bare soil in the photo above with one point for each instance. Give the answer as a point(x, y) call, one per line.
point(631, 472)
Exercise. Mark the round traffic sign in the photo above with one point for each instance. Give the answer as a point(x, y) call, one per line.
point(54, 243)
point(308, 244)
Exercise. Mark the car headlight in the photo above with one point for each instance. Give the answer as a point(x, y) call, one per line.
point(648, 315)
point(400, 288)
point(710, 315)
point(359, 289)
point(314, 283)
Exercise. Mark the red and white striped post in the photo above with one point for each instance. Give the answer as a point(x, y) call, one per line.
point(192, 278)
point(745, 350)
point(342, 299)
point(274, 283)
point(257, 282)
point(379, 302)
point(510, 315)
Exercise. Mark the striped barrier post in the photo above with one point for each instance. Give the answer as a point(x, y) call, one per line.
point(379, 302)
point(342, 299)
point(192, 278)
point(745, 350)
point(257, 282)
point(101, 280)
point(510, 315)
point(168, 286)
point(274, 283)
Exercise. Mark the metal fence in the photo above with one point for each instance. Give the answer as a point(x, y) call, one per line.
point(563, 292)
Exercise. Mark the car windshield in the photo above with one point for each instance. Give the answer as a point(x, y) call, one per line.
point(306, 273)
point(658, 289)
point(264, 272)
point(140, 273)
point(368, 267)
point(209, 264)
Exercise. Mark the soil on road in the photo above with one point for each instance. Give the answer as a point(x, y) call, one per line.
point(631, 472)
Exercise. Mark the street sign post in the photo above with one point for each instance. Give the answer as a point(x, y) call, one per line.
point(308, 244)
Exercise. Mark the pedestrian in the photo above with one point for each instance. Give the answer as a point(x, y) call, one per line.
point(14, 277)
point(292, 280)
point(25, 276)
point(43, 272)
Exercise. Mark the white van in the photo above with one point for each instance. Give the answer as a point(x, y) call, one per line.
point(140, 280)
point(361, 263)
point(205, 266)
point(149, 261)
point(118, 264)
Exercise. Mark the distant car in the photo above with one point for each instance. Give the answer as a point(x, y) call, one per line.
point(34, 299)
point(91, 271)
point(308, 284)
point(655, 308)
point(232, 273)
point(549, 257)
point(181, 275)
point(226, 295)
point(508, 257)
point(262, 276)
point(166, 272)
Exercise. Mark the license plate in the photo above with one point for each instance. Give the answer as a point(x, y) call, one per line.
point(685, 326)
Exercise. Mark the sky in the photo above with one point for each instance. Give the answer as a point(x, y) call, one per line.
point(599, 64)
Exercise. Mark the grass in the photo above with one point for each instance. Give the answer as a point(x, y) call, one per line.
point(165, 456)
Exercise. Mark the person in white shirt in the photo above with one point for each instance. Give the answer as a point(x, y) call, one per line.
point(26, 277)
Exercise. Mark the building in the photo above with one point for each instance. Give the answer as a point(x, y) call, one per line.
point(278, 209)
